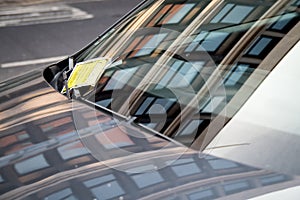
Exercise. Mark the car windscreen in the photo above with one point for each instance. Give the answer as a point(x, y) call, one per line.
point(185, 68)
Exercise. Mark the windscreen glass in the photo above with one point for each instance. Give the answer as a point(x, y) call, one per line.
point(184, 68)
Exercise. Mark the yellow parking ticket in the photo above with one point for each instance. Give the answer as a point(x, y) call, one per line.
point(87, 73)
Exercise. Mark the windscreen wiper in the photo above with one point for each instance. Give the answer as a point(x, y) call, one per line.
point(65, 76)
point(130, 122)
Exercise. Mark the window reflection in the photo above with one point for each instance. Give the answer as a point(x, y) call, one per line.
point(105, 187)
point(218, 33)
point(183, 55)
point(259, 45)
point(155, 109)
point(62, 194)
point(190, 129)
point(120, 78)
point(272, 179)
point(235, 187)
point(147, 179)
point(213, 104)
point(105, 103)
point(237, 75)
point(185, 169)
point(232, 13)
point(203, 195)
point(145, 106)
point(72, 150)
point(177, 13)
point(210, 182)
point(1, 179)
point(180, 74)
point(209, 41)
point(99, 180)
point(31, 164)
point(151, 43)
point(14, 142)
point(219, 164)
point(56, 123)
point(297, 3)
point(114, 138)
point(283, 21)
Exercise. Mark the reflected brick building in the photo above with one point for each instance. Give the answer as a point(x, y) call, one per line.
point(197, 61)
point(204, 59)
point(53, 157)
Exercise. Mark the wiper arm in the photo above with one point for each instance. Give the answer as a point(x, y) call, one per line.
point(158, 134)
point(130, 122)
point(65, 77)
point(71, 63)
point(106, 110)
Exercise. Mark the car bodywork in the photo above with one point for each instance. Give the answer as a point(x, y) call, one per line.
point(89, 148)
point(46, 155)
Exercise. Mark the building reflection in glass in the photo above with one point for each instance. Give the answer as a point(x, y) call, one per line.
point(184, 65)
point(46, 158)
point(188, 177)
point(47, 148)
point(49, 144)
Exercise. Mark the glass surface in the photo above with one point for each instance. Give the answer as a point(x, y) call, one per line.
point(259, 46)
point(283, 21)
point(268, 122)
point(184, 69)
point(190, 128)
point(222, 13)
point(237, 14)
point(176, 18)
point(236, 74)
point(212, 41)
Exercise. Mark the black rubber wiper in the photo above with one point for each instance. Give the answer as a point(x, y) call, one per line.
point(130, 121)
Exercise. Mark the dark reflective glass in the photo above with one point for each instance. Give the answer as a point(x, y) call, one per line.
point(165, 72)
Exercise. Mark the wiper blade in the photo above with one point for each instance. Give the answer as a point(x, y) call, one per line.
point(106, 110)
point(130, 121)
point(65, 78)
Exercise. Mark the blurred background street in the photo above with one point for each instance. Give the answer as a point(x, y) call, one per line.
point(34, 33)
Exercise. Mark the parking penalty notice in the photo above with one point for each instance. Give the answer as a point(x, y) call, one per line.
point(87, 73)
